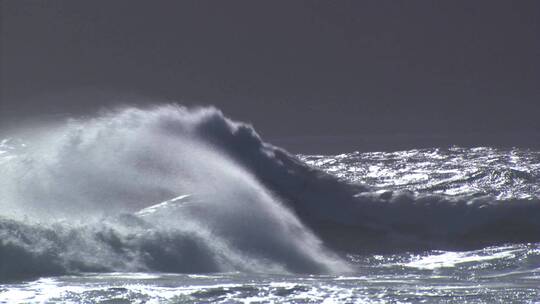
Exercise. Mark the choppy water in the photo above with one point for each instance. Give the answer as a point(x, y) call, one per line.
point(455, 171)
point(172, 205)
point(503, 274)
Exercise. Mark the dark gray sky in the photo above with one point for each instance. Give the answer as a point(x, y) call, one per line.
point(401, 70)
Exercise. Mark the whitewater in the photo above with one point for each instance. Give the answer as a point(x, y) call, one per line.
point(183, 205)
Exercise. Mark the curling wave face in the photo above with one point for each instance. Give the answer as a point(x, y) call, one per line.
point(188, 190)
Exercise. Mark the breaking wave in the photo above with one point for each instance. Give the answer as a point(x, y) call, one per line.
point(188, 190)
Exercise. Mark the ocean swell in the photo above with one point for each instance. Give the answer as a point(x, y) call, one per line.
point(87, 196)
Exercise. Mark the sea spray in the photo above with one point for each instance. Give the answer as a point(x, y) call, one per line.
point(57, 190)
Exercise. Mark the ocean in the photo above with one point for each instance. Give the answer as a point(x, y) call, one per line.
point(184, 205)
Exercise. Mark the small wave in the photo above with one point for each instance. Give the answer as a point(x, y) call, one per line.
point(135, 245)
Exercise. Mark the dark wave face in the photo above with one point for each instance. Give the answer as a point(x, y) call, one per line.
point(455, 198)
point(188, 190)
